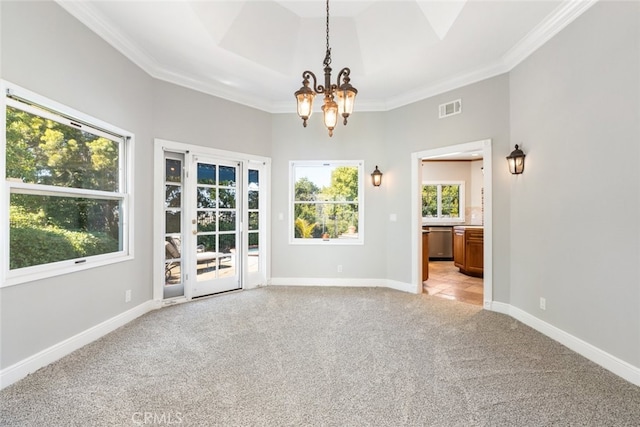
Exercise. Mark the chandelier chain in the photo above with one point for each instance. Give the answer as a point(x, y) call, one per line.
point(327, 58)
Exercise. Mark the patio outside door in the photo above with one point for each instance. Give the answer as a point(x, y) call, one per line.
point(215, 226)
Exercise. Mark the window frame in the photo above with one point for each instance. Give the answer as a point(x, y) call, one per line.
point(461, 200)
point(360, 202)
point(33, 103)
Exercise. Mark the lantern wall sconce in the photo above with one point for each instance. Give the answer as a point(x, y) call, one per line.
point(376, 177)
point(516, 161)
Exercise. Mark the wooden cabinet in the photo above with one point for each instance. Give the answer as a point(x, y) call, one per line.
point(458, 247)
point(468, 250)
point(425, 254)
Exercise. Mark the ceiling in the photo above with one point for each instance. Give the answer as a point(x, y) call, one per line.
point(254, 52)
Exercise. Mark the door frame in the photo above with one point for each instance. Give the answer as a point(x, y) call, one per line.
point(248, 161)
point(416, 212)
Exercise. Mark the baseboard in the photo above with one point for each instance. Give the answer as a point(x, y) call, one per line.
point(348, 283)
point(19, 370)
point(619, 367)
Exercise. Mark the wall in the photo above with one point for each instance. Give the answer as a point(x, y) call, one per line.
point(416, 127)
point(47, 51)
point(575, 111)
point(184, 115)
point(361, 139)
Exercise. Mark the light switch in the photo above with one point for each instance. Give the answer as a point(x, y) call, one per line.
point(281, 216)
point(393, 217)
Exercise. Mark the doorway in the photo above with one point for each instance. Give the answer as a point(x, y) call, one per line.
point(211, 232)
point(483, 147)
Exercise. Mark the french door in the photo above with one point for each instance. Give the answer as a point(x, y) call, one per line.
point(213, 224)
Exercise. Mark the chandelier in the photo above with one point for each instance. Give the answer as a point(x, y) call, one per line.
point(344, 93)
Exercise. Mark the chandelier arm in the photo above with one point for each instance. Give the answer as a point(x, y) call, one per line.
point(307, 76)
point(344, 75)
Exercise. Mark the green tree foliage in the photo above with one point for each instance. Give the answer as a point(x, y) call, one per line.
point(43, 151)
point(304, 229)
point(322, 215)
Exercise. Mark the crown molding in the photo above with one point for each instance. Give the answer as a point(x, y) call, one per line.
point(562, 16)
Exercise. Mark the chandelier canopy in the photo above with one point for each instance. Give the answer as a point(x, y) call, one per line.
point(338, 97)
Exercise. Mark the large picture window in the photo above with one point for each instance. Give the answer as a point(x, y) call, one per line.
point(67, 201)
point(443, 201)
point(326, 202)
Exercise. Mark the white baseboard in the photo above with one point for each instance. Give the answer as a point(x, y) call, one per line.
point(619, 367)
point(347, 283)
point(19, 370)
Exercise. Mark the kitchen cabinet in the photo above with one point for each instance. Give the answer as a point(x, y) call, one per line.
point(468, 250)
point(425, 253)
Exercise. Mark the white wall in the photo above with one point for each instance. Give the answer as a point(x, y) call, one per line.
point(575, 212)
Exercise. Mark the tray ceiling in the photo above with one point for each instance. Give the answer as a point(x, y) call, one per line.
point(254, 52)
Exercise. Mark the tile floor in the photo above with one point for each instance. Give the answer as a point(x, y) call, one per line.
point(445, 281)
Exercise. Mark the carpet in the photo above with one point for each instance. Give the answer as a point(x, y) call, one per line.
point(304, 356)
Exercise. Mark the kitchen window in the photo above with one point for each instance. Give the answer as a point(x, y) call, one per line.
point(326, 202)
point(67, 201)
point(443, 201)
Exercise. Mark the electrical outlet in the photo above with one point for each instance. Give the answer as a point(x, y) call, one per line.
point(127, 295)
point(543, 303)
point(339, 268)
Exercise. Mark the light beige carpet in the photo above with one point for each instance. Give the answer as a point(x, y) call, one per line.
point(322, 357)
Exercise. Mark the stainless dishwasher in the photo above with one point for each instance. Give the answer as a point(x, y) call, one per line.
point(441, 243)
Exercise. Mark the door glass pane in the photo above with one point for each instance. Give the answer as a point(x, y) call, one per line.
point(227, 176)
point(227, 221)
point(227, 198)
point(253, 220)
point(173, 170)
point(173, 196)
point(206, 174)
point(254, 179)
point(206, 197)
point(172, 221)
point(227, 243)
point(172, 273)
point(254, 252)
point(206, 221)
point(254, 199)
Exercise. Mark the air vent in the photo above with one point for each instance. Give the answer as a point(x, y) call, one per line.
point(451, 108)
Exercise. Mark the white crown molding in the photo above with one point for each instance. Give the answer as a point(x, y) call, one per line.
point(85, 13)
point(566, 13)
point(562, 16)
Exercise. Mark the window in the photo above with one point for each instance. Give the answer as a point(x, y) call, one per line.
point(66, 207)
point(443, 201)
point(326, 202)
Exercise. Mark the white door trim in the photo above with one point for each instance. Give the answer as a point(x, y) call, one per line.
point(416, 211)
point(249, 160)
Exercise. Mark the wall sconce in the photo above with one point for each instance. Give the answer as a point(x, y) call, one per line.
point(376, 177)
point(516, 161)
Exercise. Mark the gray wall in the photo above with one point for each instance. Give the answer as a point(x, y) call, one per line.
point(47, 51)
point(414, 128)
point(187, 116)
point(576, 99)
point(575, 228)
point(361, 139)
